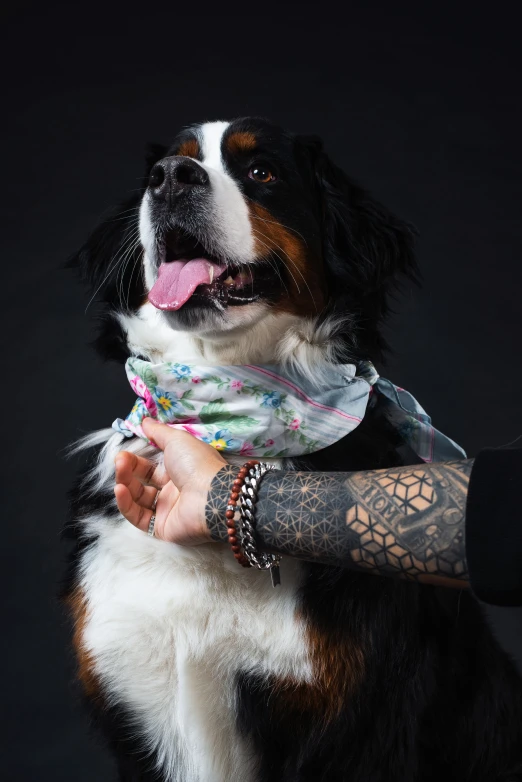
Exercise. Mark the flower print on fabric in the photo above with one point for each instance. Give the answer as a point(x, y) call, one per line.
point(141, 389)
point(273, 411)
point(119, 425)
point(180, 370)
point(222, 441)
point(168, 404)
point(409, 428)
point(186, 426)
point(137, 413)
point(271, 399)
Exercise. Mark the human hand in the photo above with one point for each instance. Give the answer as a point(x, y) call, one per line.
point(184, 482)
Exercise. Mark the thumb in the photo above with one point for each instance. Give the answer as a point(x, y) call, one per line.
point(161, 434)
point(186, 457)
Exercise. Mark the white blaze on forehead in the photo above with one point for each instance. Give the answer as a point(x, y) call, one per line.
point(211, 135)
point(229, 228)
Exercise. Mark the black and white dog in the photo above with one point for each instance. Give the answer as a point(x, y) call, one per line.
point(195, 669)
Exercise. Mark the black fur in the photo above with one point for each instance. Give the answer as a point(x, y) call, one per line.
point(439, 700)
point(109, 264)
point(367, 251)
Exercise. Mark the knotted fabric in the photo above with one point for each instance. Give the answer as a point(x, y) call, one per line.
point(271, 411)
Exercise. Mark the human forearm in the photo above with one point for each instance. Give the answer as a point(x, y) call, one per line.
point(406, 521)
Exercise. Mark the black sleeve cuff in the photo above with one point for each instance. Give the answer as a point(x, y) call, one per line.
point(494, 527)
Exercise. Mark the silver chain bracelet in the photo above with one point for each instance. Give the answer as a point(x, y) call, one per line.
point(247, 504)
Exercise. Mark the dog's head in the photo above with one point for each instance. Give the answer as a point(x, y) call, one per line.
point(242, 221)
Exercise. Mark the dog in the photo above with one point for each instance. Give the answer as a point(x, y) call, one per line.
point(196, 670)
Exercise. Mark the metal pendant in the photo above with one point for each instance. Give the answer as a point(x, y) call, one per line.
point(275, 575)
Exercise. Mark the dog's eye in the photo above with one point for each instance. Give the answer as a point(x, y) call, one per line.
point(261, 174)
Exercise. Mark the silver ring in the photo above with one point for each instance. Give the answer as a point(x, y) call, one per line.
point(152, 520)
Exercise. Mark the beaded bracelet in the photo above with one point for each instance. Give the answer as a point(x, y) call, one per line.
point(232, 509)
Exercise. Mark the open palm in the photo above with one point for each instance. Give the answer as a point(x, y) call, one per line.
point(181, 486)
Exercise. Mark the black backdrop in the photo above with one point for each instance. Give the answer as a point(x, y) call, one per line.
point(421, 104)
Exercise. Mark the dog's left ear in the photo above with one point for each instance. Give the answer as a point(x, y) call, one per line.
point(108, 261)
point(366, 248)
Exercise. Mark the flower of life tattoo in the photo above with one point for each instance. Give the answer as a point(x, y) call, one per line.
point(217, 502)
point(406, 521)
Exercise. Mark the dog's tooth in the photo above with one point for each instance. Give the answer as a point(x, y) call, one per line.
point(211, 273)
point(229, 280)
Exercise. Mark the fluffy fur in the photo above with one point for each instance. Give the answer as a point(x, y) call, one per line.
point(197, 670)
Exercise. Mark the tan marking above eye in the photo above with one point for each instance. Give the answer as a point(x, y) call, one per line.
point(189, 148)
point(241, 142)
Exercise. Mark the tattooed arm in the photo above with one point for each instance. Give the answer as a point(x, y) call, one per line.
point(406, 521)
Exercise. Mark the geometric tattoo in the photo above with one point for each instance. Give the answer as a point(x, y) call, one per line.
point(413, 521)
point(217, 501)
point(406, 521)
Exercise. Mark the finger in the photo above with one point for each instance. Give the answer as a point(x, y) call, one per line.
point(162, 434)
point(141, 494)
point(136, 514)
point(129, 466)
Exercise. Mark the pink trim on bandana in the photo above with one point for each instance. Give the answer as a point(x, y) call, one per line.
point(303, 395)
point(161, 396)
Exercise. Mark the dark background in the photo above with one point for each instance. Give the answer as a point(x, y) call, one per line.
point(420, 103)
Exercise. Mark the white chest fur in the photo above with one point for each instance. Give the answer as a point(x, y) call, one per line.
point(170, 628)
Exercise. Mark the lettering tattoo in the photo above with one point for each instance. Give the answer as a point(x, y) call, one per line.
point(406, 521)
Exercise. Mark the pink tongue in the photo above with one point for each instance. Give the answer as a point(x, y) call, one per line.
point(177, 281)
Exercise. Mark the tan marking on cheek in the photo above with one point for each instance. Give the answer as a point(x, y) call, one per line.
point(78, 606)
point(304, 275)
point(339, 669)
point(189, 148)
point(241, 142)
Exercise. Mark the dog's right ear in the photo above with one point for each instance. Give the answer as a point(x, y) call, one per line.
point(367, 250)
point(110, 259)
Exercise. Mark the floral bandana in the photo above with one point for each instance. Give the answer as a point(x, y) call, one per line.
point(268, 411)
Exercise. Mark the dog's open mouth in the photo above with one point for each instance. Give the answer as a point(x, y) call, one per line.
point(188, 271)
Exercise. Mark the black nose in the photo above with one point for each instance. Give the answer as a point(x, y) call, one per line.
point(173, 175)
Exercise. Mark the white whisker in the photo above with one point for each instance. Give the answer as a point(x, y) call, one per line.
point(131, 244)
point(275, 222)
point(293, 263)
point(136, 260)
point(112, 266)
point(123, 268)
point(274, 266)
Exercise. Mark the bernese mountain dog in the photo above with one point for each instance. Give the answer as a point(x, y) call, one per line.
point(197, 670)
